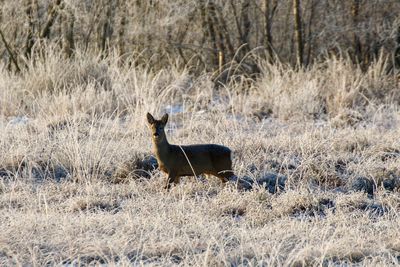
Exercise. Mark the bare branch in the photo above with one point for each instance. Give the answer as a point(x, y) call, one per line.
point(10, 52)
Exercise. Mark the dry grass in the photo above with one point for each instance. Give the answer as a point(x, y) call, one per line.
point(73, 134)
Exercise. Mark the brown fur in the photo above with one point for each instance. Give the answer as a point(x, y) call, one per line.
point(204, 159)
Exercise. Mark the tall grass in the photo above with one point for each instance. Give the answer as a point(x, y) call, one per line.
point(69, 126)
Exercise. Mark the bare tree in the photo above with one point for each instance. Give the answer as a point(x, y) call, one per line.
point(269, 12)
point(355, 10)
point(29, 41)
point(52, 14)
point(68, 43)
point(205, 33)
point(309, 32)
point(105, 28)
point(246, 24)
point(209, 31)
point(10, 52)
point(397, 50)
point(298, 32)
point(121, 27)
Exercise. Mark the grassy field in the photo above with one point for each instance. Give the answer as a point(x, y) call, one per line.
point(77, 187)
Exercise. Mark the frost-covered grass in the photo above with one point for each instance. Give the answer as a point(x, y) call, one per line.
point(73, 133)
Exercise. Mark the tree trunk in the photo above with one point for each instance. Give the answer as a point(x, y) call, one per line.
point(269, 12)
point(244, 14)
point(51, 17)
point(209, 32)
point(29, 42)
point(68, 43)
point(227, 36)
point(355, 10)
point(121, 29)
point(10, 53)
point(105, 31)
point(298, 32)
point(396, 56)
point(309, 33)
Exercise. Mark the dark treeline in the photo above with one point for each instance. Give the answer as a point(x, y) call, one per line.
point(205, 34)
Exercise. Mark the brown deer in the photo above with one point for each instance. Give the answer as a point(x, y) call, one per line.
point(193, 160)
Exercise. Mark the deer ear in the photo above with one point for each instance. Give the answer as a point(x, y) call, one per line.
point(150, 118)
point(164, 118)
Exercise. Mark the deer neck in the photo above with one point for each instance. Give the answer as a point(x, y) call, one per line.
point(161, 148)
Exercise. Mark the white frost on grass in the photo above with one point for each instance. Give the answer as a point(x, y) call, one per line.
point(20, 120)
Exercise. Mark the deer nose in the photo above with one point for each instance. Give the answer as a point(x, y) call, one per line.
point(156, 134)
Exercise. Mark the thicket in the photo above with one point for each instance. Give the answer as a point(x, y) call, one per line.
point(204, 35)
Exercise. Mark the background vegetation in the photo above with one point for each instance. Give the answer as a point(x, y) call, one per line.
point(306, 94)
point(203, 35)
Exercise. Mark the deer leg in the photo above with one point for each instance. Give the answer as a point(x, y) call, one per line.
point(171, 179)
point(176, 180)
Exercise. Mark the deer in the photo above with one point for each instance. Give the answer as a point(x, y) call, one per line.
point(190, 160)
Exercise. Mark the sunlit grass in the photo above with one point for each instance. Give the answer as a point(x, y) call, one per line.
point(73, 133)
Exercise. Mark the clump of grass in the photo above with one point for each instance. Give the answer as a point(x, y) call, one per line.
point(139, 167)
point(51, 73)
point(94, 205)
point(334, 89)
